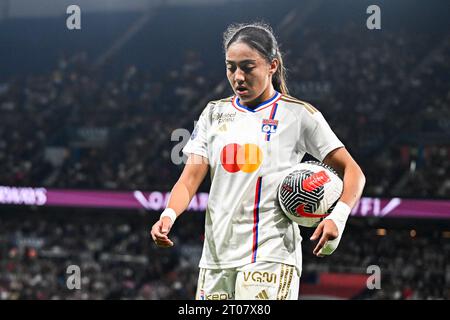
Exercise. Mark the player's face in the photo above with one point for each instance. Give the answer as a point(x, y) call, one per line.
point(249, 74)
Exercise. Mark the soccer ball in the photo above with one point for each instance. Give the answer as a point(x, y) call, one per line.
point(309, 192)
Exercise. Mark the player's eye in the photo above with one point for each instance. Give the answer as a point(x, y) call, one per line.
point(231, 68)
point(247, 69)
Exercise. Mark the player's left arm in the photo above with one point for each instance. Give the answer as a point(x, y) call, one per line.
point(330, 230)
point(354, 180)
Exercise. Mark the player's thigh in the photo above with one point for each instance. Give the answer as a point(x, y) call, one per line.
point(216, 284)
point(267, 281)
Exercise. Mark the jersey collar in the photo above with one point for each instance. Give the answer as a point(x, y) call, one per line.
point(235, 102)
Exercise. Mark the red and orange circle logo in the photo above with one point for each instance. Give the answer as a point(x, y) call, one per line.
point(246, 158)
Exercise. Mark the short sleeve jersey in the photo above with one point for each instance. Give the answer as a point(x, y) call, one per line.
point(249, 152)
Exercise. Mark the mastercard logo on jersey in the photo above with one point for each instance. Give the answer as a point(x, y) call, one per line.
point(246, 158)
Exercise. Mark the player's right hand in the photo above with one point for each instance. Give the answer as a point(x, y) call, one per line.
point(159, 232)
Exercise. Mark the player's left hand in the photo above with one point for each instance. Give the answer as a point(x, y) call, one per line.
point(327, 230)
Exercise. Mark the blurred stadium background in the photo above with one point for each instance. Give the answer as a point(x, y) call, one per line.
point(86, 118)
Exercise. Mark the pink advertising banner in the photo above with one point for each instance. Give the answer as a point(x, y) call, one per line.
point(156, 201)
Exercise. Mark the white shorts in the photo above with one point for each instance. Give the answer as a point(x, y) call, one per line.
point(256, 281)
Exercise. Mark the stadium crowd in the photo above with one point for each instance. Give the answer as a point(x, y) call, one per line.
point(117, 260)
point(76, 127)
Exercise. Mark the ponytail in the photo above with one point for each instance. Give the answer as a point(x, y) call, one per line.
point(279, 77)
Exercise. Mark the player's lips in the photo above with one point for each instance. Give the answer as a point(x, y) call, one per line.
point(241, 90)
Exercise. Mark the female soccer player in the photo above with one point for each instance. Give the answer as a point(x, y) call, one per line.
point(249, 141)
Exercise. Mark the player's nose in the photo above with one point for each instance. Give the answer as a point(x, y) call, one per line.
point(239, 76)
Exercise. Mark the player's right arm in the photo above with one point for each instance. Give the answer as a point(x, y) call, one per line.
point(182, 192)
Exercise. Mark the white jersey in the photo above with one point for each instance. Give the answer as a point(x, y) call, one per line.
point(249, 151)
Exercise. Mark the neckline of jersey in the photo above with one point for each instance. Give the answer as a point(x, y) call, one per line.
point(260, 107)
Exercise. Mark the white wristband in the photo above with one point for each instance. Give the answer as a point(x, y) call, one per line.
point(340, 214)
point(169, 212)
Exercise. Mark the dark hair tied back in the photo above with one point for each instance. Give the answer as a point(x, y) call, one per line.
point(260, 37)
